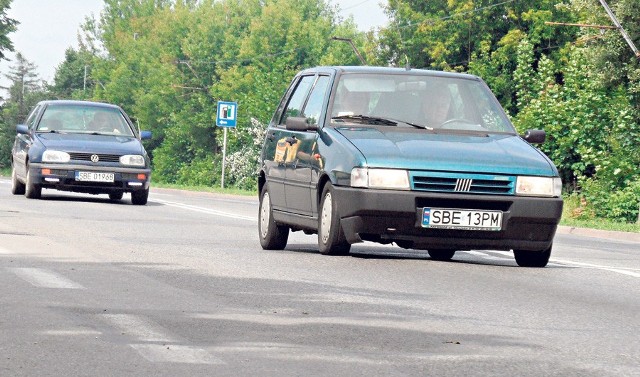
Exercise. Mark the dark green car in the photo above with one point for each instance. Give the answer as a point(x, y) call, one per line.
point(423, 159)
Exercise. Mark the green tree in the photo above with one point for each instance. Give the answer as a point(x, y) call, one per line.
point(25, 90)
point(7, 26)
point(476, 36)
point(23, 80)
point(73, 75)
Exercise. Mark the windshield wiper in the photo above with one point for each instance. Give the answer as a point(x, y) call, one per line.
point(368, 119)
point(419, 126)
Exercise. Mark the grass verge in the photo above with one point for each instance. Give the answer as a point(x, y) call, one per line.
point(573, 214)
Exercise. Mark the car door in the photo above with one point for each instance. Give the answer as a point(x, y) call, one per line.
point(23, 142)
point(279, 145)
point(303, 164)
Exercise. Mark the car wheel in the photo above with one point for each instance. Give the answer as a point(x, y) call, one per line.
point(116, 195)
point(331, 239)
point(441, 254)
point(139, 197)
point(17, 187)
point(32, 190)
point(527, 258)
point(272, 235)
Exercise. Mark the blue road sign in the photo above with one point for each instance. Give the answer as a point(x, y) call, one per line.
point(227, 114)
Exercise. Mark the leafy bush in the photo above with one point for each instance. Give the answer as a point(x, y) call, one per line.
point(603, 199)
point(242, 165)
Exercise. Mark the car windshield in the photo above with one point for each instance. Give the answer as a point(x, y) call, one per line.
point(431, 102)
point(84, 119)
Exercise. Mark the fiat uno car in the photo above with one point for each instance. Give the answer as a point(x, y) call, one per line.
point(423, 159)
point(80, 146)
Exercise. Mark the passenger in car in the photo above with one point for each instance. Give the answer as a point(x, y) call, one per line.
point(50, 125)
point(351, 103)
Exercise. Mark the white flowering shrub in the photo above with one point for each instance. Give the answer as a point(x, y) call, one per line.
point(241, 166)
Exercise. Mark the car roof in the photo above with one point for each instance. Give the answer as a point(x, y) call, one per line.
point(78, 103)
point(387, 70)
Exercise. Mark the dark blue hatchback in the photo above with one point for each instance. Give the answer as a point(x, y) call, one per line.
point(423, 159)
point(80, 146)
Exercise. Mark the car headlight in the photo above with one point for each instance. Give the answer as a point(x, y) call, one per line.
point(539, 186)
point(380, 178)
point(55, 156)
point(132, 160)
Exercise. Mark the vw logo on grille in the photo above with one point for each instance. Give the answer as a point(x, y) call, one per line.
point(463, 185)
point(95, 158)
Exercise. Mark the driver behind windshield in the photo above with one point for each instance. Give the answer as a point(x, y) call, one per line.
point(436, 105)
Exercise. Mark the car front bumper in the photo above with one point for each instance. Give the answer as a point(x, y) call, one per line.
point(63, 177)
point(528, 223)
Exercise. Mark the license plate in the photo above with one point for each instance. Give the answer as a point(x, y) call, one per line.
point(465, 219)
point(86, 176)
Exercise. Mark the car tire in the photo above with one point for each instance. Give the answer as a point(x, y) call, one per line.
point(331, 239)
point(140, 197)
point(17, 187)
point(441, 254)
point(272, 236)
point(116, 195)
point(527, 258)
point(32, 190)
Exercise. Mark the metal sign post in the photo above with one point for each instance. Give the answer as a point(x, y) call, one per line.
point(226, 117)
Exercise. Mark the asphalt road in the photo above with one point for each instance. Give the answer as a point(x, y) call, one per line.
point(181, 287)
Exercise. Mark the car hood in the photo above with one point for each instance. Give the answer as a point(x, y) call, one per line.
point(446, 151)
point(88, 143)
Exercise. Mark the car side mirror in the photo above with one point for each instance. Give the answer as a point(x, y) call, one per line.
point(22, 129)
point(535, 136)
point(145, 135)
point(299, 124)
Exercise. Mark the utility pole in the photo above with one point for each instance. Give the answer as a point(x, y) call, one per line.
point(619, 27)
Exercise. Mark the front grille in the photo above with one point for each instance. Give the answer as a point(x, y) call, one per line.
point(102, 157)
point(463, 183)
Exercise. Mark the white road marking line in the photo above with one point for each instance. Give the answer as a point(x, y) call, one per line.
point(206, 210)
point(558, 262)
point(138, 328)
point(5, 251)
point(171, 353)
point(45, 279)
point(72, 332)
point(618, 270)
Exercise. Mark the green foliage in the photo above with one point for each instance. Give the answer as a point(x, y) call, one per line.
point(70, 80)
point(7, 26)
point(606, 200)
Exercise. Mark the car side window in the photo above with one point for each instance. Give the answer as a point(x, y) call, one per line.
point(31, 119)
point(313, 107)
point(296, 101)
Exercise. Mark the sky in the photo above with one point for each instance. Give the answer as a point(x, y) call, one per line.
point(48, 27)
